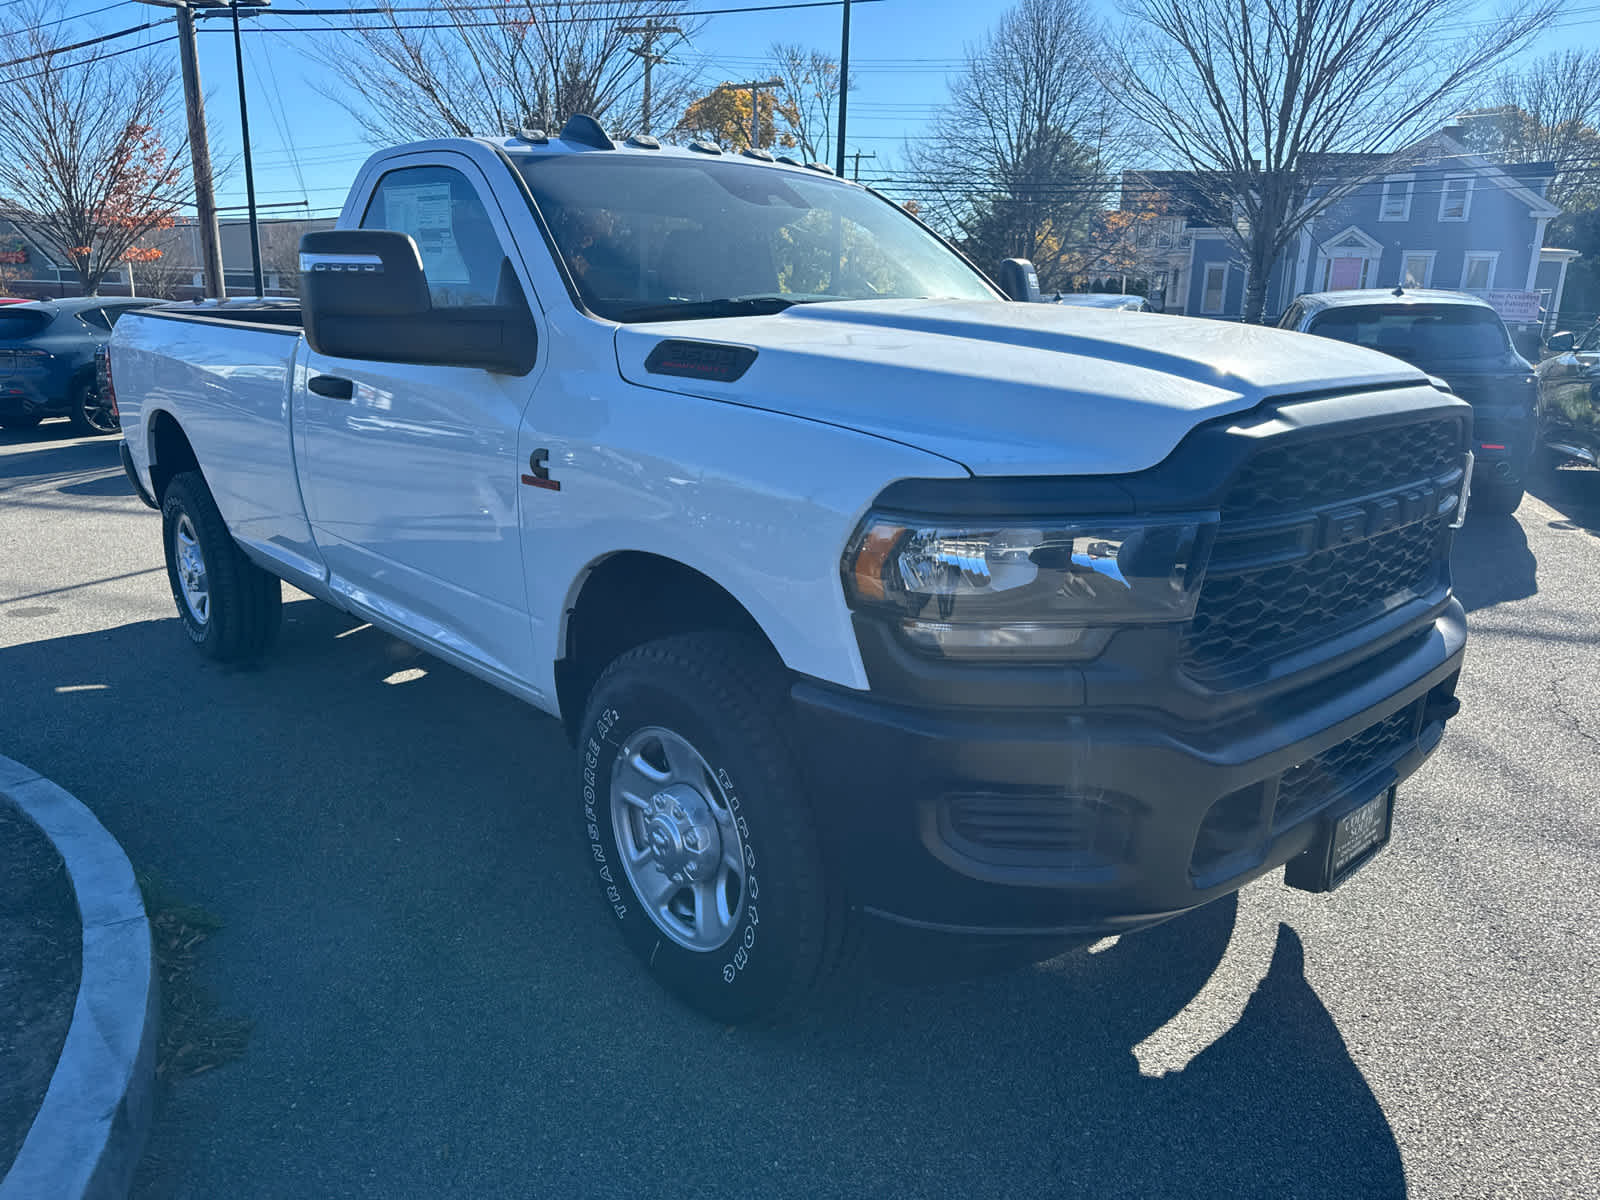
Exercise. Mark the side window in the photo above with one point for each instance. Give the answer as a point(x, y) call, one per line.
point(96, 319)
point(1291, 318)
point(1590, 342)
point(443, 213)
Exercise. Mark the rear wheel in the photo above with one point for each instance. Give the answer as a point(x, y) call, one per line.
point(700, 833)
point(1496, 499)
point(20, 422)
point(89, 412)
point(230, 608)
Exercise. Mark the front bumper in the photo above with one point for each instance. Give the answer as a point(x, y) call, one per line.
point(1080, 822)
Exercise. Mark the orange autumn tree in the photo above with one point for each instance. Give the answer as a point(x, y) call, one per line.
point(722, 116)
point(84, 151)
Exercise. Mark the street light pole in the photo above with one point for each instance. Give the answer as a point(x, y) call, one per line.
point(244, 131)
point(844, 84)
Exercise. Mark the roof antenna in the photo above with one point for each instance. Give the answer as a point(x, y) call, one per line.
point(586, 131)
point(1399, 291)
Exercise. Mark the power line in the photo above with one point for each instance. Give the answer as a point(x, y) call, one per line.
point(260, 14)
point(94, 41)
point(97, 58)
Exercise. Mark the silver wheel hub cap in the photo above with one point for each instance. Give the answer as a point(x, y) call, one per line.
point(191, 570)
point(679, 838)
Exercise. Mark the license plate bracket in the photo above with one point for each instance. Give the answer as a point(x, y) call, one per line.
point(1351, 837)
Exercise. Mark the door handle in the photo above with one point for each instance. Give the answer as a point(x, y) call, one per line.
point(334, 387)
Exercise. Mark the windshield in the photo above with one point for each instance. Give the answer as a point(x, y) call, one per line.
point(662, 238)
point(1419, 333)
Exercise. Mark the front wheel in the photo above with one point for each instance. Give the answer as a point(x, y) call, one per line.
point(700, 833)
point(230, 608)
point(89, 412)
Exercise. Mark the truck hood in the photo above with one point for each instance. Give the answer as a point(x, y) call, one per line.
point(1009, 389)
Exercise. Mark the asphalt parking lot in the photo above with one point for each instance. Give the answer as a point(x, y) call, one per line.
point(440, 1007)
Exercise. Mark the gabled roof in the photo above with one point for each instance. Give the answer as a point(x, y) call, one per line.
point(1185, 192)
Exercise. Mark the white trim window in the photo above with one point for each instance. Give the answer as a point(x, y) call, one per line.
point(1395, 204)
point(1416, 268)
point(1215, 293)
point(1477, 270)
point(1455, 198)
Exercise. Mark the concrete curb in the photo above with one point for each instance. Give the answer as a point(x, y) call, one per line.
point(89, 1132)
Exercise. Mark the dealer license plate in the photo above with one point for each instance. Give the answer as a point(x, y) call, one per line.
point(1350, 844)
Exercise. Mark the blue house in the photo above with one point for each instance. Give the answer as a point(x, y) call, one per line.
point(1437, 216)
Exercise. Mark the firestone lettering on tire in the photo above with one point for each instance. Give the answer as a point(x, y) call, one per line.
point(591, 761)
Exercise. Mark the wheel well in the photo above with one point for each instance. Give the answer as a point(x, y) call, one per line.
point(170, 452)
point(632, 598)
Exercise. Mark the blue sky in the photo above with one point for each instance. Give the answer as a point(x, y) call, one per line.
point(307, 149)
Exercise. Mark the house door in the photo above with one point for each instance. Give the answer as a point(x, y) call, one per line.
point(1346, 273)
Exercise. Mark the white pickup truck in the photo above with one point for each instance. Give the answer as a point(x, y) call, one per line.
point(871, 600)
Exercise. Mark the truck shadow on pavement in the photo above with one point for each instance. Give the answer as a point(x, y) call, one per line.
point(1491, 563)
point(441, 1007)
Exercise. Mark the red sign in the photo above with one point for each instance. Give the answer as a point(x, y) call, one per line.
point(13, 256)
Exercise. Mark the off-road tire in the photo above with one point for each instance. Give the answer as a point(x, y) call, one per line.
point(245, 603)
point(726, 696)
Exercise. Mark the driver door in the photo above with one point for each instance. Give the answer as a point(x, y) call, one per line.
point(410, 472)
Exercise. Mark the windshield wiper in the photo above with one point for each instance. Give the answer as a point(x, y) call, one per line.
point(688, 310)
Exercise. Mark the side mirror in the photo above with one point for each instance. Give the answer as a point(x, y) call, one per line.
point(1560, 343)
point(363, 294)
point(1019, 281)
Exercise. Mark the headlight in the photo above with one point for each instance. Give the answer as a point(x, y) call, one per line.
point(1027, 590)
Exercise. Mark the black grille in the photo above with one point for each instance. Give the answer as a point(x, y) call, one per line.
point(1285, 479)
point(1256, 615)
point(1305, 788)
point(1045, 829)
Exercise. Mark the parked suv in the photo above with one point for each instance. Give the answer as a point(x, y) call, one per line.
point(47, 361)
point(1461, 339)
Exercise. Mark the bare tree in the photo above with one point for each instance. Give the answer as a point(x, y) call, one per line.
point(1257, 96)
point(469, 70)
point(808, 98)
point(86, 146)
point(162, 278)
point(1015, 163)
point(1547, 111)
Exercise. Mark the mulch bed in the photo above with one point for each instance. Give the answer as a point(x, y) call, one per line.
point(41, 949)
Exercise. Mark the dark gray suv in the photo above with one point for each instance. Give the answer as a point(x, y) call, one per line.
point(1462, 340)
point(47, 361)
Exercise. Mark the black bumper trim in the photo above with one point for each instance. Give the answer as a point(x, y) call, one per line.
point(878, 768)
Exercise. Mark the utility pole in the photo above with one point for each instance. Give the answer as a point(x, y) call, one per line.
point(649, 31)
point(205, 200)
point(755, 86)
point(844, 84)
point(858, 156)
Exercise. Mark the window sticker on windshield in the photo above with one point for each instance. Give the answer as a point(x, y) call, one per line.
point(424, 211)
